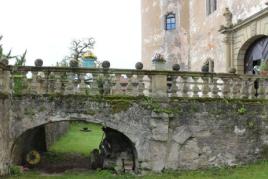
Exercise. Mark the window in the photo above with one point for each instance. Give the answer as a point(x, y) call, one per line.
point(170, 21)
point(211, 6)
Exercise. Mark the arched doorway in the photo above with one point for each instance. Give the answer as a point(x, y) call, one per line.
point(257, 51)
point(113, 150)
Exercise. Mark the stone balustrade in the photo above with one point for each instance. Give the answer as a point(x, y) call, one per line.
point(86, 81)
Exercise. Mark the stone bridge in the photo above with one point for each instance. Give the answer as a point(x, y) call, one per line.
point(175, 120)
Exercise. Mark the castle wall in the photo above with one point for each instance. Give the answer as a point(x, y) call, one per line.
point(197, 36)
point(172, 44)
point(205, 39)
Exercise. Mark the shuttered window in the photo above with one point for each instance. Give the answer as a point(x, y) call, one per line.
point(211, 6)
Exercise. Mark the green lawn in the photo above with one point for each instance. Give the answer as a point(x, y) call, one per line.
point(255, 171)
point(76, 141)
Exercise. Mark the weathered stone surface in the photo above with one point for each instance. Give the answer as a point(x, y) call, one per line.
point(200, 133)
point(5, 141)
point(158, 152)
point(182, 134)
point(54, 131)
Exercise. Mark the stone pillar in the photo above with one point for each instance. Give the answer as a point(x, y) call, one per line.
point(4, 136)
point(228, 38)
point(228, 51)
point(159, 81)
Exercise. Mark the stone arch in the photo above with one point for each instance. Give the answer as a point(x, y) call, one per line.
point(107, 126)
point(243, 50)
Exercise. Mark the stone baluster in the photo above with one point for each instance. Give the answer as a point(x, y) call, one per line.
point(195, 87)
point(150, 86)
point(70, 85)
point(205, 89)
point(107, 84)
point(226, 88)
point(215, 90)
point(25, 84)
point(261, 90)
point(64, 81)
point(94, 89)
point(141, 86)
point(266, 88)
point(34, 84)
point(251, 88)
point(58, 83)
point(135, 85)
point(244, 92)
point(117, 87)
point(235, 87)
point(174, 87)
point(123, 84)
point(51, 83)
point(41, 79)
point(129, 90)
point(82, 84)
point(185, 86)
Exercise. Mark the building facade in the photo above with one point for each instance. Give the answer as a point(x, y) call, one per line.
point(218, 33)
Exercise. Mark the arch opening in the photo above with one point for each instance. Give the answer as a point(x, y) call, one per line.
point(256, 52)
point(242, 62)
point(112, 149)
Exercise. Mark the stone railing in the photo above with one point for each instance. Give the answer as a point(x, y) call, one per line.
point(85, 81)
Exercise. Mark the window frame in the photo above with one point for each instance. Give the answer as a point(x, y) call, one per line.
point(170, 21)
point(211, 6)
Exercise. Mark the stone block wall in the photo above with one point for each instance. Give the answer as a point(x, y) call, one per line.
point(4, 135)
point(167, 134)
point(54, 131)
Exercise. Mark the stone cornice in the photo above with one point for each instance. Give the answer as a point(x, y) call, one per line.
point(246, 21)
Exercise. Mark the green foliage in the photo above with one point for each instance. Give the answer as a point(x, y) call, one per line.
point(264, 65)
point(155, 106)
point(21, 60)
point(242, 110)
point(2, 55)
point(254, 171)
point(251, 124)
point(76, 141)
point(15, 170)
point(29, 111)
point(120, 105)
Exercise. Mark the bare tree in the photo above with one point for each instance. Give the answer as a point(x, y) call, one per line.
point(79, 47)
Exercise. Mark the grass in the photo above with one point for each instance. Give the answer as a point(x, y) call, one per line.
point(254, 171)
point(76, 141)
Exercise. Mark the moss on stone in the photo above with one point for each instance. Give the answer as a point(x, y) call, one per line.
point(29, 111)
point(120, 105)
point(264, 152)
point(90, 112)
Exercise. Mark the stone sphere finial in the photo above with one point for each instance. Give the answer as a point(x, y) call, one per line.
point(73, 63)
point(106, 65)
point(176, 67)
point(139, 66)
point(232, 70)
point(38, 62)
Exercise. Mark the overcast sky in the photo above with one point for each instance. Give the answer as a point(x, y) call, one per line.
point(46, 28)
